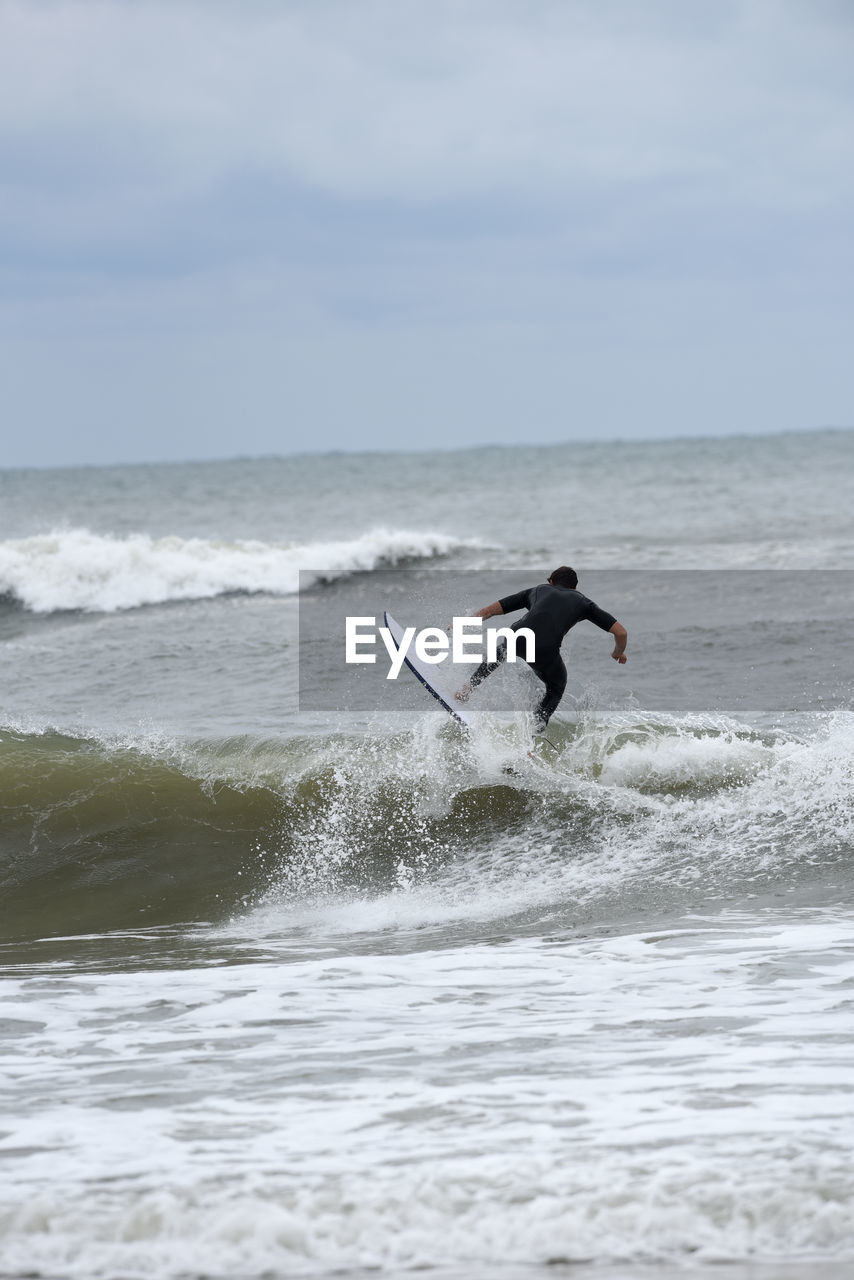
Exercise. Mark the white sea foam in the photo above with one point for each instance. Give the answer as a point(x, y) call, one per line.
point(77, 569)
point(622, 806)
point(673, 1095)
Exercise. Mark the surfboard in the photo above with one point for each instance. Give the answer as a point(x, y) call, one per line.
point(429, 676)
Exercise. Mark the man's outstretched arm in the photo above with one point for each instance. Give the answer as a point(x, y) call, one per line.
point(618, 631)
point(489, 611)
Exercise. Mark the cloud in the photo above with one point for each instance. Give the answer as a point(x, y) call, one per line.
point(512, 202)
point(170, 136)
point(415, 101)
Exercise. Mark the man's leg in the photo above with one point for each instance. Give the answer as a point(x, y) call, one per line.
point(485, 669)
point(553, 676)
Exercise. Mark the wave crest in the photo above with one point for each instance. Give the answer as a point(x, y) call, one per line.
point(101, 835)
point(104, 573)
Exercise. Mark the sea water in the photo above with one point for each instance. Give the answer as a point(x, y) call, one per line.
point(297, 982)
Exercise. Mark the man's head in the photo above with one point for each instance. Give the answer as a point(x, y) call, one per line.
point(564, 577)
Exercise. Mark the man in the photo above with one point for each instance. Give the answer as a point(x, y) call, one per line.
point(553, 608)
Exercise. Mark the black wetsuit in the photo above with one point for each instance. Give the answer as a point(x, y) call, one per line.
point(552, 611)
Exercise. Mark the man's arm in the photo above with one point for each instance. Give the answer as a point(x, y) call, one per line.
point(618, 631)
point(489, 611)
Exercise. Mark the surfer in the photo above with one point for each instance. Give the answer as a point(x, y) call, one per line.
point(553, 608)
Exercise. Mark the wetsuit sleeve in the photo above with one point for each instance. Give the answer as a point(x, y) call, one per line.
point(521, 600)
point(600, 617)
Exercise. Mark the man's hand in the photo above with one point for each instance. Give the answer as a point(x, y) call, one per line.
point(618, 631)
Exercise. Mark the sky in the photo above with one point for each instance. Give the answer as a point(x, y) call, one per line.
point(259, 227)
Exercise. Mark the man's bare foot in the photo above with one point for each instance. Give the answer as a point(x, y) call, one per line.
point(463, 695)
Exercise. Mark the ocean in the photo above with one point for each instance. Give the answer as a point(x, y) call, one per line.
point(301, 980)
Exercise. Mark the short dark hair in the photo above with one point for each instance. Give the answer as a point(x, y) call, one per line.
point(564, 577)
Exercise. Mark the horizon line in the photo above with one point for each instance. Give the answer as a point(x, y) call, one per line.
point(344, 451)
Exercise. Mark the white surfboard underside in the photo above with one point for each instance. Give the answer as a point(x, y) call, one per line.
point(430, 676)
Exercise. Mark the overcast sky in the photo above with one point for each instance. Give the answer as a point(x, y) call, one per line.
point(258, 226)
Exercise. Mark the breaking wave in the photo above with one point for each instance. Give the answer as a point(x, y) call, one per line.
point(621, 816)
point(101, 573)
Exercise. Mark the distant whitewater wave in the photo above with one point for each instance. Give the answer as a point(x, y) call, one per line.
point(101, 573)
